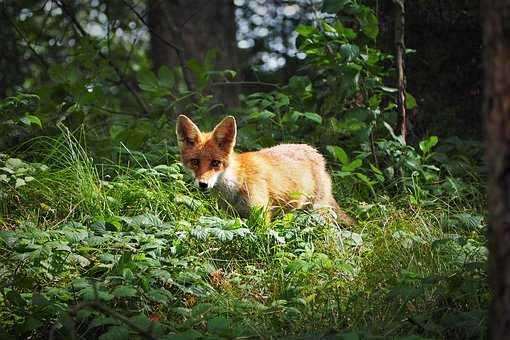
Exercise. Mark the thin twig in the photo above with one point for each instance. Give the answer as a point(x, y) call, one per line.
point(22, 35)
point(400, 48)
point(118, 72)
point(109, 110)
point(261, 83)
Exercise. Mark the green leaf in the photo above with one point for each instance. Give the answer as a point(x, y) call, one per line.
point(90, 294)
point(229, 73)
point(190, 202)
point(83, 261)
point(298, 265)
point(218, 324)
point(349, 51)
point(31, 324)
point(369, 23)
point(222, 234)
point(160, 295)
point(338, 153)
point(282, 101)
point(15, 298)
point(20, 182)
point(364, 179)
point(148, 81)
point(15, 163)
point(124, 292)
point(146, 220)
point(314, 117)
point(352, 165)
point(166, 77)
point(261, 115)
point(200, 233)
point(427, 144)
point(305, 30)
point(31, 120)
point(410, 101)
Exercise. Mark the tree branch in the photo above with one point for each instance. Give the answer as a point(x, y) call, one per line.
point(260, 83)
point(117, 71)
point(22, 35)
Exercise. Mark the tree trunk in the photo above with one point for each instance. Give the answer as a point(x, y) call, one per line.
point(496, 25)
point(196, 26)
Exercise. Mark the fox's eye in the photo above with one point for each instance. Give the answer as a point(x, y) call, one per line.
point(215, 163)
point(195, 162)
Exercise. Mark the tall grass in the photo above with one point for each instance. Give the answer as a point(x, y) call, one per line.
point(405, 269)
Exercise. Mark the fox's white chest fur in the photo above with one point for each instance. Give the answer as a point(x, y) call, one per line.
point(228, 188)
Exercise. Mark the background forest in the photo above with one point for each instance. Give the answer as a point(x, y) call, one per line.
point(103, 235)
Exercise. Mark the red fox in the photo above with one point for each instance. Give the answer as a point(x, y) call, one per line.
point(287, 175)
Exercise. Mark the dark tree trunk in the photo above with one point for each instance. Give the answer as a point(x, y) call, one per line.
point(196, 26)
point(496, 25)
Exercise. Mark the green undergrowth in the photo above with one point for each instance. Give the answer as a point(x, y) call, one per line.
point(106, 251)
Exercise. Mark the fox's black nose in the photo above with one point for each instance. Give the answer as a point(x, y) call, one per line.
point(202, 185)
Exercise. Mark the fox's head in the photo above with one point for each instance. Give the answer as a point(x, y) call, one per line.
point(206, 155)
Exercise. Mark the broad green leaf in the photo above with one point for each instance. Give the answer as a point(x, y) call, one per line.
point(349, 51)
point(124, 291)
point(20, 182)
point(282, 100)
point(191, 202)
point(410, 101)
point(15, 298)
point(265, 114)
point(166, 77)
point(352, 165)
point(31, 120)
point(147, 220)
point(83, 261)
point(160, 295)
point(200, 232)
point(222, 234)
point(345, 31)
point(14, 163)
point(364, 179)
point(298, 265)
point(90, 293)
point(338, 153)
point(369, 23)
point(305, 30)
point(314, 117)
point(427, 144)
point(218, 324)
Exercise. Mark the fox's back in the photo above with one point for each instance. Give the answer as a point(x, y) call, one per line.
point(287, 170)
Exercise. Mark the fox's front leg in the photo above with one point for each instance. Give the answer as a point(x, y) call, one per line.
point(258, 198)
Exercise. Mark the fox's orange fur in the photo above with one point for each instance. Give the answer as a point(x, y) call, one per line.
point(286, 175)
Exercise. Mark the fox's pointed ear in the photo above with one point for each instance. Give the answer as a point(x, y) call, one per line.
point(188, 134)
point(225, 133)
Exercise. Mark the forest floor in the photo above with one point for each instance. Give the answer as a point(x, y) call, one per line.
point(110, 251)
